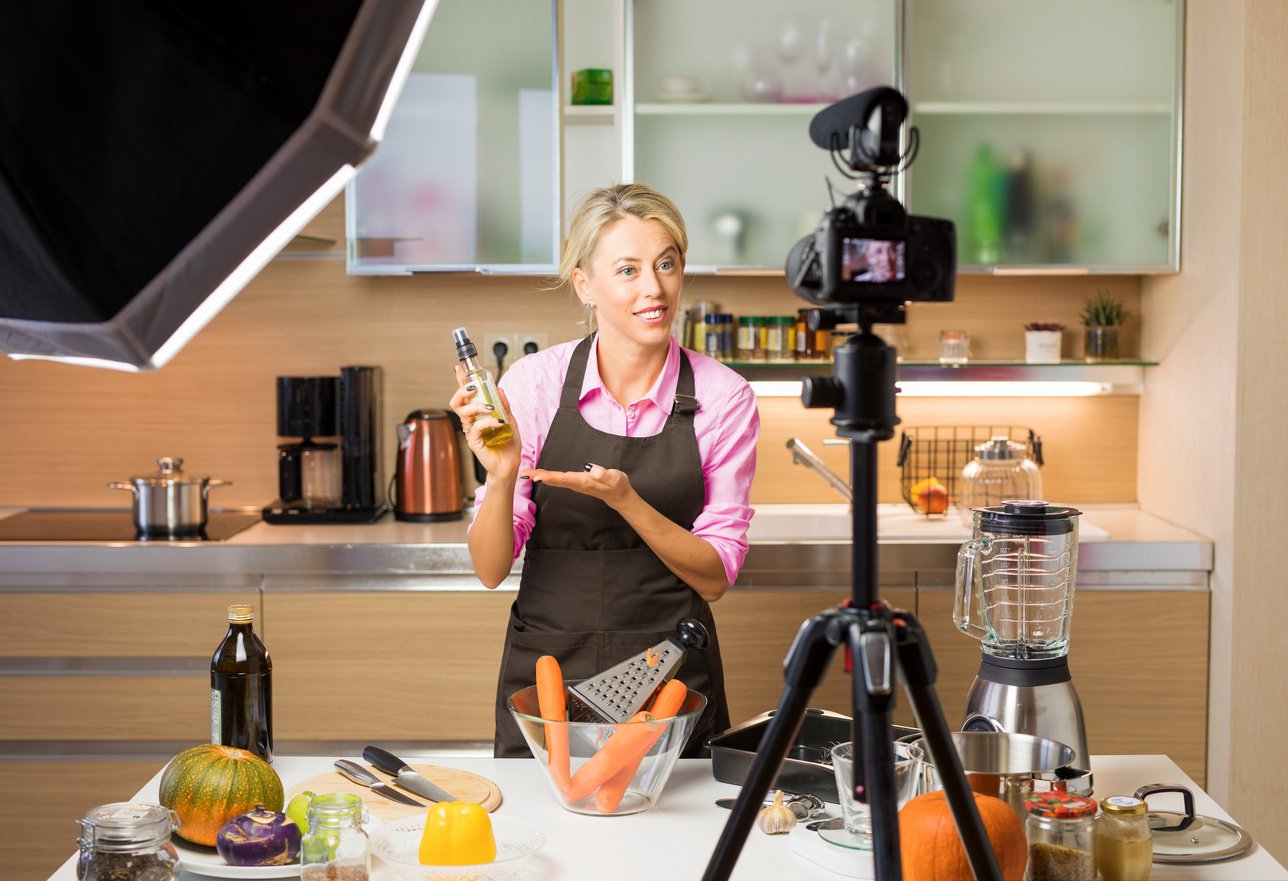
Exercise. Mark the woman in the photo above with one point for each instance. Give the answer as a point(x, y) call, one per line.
point(626, 485)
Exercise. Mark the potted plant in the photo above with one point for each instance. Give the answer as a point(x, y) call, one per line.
point(1103, 316)
point(1042, 342)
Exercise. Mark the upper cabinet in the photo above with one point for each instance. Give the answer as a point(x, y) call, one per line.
point(466, 177)
point(718, 100)
point(1049, 130)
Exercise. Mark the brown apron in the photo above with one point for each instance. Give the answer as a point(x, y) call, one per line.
point(593, 593)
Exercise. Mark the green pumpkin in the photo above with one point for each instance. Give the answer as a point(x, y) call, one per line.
point(208, 785)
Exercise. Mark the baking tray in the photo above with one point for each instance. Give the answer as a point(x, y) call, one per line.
point(807, 766)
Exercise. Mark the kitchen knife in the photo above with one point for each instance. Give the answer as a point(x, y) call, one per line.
point(359, 774)
point(404, 776)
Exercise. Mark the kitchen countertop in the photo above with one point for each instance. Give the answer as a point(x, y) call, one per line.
point(688, 824)
point(436, 557)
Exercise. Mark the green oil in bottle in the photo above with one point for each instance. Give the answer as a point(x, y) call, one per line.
point(481, 379)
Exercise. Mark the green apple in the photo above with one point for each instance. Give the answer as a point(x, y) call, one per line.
point(298, 809)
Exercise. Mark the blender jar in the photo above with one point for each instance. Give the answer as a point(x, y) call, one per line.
point(1015, 579)
point(1001, 470)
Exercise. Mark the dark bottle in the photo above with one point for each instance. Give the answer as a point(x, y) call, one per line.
point(241, 687)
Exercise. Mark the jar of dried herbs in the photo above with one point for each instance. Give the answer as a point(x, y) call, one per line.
point(127, 841)
point(1061, 829)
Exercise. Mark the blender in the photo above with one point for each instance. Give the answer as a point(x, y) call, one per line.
point(1014, 593)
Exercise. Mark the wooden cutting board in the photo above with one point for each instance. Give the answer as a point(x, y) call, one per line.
point(462, 784)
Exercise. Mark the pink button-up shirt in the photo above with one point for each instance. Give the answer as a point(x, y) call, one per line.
point(726, 424)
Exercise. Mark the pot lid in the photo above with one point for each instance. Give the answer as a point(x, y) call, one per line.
point(169, 471)
point(1195, 839)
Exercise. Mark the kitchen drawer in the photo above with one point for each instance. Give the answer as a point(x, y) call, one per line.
point(1138, 659)
point(126, 707)
point(46, 797)
point(368, 665)
point(756, 630)
point(126, 624)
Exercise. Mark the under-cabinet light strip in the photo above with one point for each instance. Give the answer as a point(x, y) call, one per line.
point(792, 389)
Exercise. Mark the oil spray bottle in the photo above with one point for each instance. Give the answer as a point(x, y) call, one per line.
point(481, 379)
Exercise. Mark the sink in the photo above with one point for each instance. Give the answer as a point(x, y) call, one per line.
point(895, 522)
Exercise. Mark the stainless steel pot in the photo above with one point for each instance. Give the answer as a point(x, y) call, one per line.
point(170, 502)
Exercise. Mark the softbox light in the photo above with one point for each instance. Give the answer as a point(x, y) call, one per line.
point(155, 155)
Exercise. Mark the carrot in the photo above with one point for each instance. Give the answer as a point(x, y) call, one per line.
point(550, 700)
point(667, 703)
point(629, 743)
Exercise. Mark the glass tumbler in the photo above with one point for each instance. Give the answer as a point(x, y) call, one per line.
point(857, 816)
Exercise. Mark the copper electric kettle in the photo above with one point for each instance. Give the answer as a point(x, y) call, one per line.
point(427, 482)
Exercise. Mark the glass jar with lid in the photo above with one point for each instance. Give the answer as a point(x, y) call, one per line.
point(1001, 470)
point(1124, 844)
point(336, 847)
point(127, 841)
point(1061, 829)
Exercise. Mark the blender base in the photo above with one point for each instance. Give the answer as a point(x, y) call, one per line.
point(1032, 697)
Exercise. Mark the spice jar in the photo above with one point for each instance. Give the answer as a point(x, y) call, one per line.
point(336, 847)
point(1124, 847)
point(1061, 829)
point(127, 841)
point(750, 342)
point(780, 338)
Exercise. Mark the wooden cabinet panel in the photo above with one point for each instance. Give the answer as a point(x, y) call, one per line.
point(1139, 661)
point(41, 624)
point(46, 800)
point(756, 630)
point(394, 665)
point(106, 708)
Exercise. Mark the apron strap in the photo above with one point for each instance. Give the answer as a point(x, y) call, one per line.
point(681, 411)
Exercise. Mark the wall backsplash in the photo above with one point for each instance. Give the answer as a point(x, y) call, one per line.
point(66, 431)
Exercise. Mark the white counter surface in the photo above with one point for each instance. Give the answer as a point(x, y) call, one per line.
point(675, 839)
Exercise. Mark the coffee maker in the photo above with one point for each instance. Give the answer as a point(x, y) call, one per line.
point(329, 481)
point(1014, 593)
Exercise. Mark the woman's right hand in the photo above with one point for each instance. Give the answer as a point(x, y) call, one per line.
point(500, 462)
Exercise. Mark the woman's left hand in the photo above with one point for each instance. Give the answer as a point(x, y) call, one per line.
point(611, 486)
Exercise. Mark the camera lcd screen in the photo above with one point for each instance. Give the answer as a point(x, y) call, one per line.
point(877, 261)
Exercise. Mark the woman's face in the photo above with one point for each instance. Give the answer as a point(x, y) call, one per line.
point(634, 282)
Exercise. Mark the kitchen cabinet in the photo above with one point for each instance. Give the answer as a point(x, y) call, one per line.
point(1050, 131)
point(1138, 658)
point(467, 174)
point(100, 685)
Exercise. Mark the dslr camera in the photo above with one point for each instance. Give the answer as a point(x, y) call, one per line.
point(868, 249)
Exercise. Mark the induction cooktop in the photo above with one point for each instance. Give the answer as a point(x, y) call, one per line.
point(111, 525)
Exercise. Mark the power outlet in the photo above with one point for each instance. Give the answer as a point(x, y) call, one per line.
point(514, 343)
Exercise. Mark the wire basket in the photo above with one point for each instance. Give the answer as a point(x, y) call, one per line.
point(942, 451)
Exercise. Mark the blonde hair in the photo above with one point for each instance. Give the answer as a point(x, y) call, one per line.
point(604, 207)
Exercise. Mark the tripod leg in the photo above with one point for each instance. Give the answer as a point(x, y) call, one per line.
point(807, 661)
point(919, 671)
point(872, 647)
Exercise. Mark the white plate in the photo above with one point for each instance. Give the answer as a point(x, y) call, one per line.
point(397, 843)
point(207, 862)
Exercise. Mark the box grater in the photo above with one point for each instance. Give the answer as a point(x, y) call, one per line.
point(622, 690)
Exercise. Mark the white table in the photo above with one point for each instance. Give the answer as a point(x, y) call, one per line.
point(675, 838)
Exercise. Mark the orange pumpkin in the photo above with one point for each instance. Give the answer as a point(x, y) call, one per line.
point(932, 850)
point(208, 785)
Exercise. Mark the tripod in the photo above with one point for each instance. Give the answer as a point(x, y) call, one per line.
point(862, 392)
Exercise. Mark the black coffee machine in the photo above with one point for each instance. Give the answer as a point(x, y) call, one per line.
point(332, 473)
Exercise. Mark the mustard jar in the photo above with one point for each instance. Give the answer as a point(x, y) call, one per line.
point(1061, 829)
point(1124, 847)
point(127, 841)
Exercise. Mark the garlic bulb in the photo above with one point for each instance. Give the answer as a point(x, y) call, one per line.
point(776, 818)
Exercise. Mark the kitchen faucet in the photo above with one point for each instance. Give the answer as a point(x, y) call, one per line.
point(803, 455)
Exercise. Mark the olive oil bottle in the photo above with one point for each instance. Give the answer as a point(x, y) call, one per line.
point(241, 687)
point(481, 379)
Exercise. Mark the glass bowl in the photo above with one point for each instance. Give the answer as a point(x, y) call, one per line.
point(585, 739)
point(397, 844)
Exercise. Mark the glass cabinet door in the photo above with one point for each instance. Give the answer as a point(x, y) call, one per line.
point(1049, 129)
point(467, 174)
point(720, 94)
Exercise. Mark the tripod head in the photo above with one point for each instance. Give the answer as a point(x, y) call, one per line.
point(862, 387)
